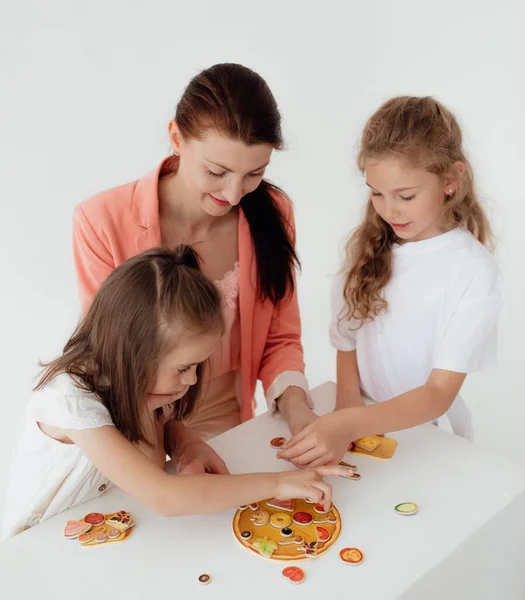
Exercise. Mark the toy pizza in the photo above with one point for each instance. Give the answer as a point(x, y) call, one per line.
point(97, 528)
point(286, 529)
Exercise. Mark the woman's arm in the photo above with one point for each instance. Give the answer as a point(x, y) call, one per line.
point(282, 364)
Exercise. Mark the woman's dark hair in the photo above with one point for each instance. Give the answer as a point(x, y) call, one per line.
point(237, 103)
point(115, 350)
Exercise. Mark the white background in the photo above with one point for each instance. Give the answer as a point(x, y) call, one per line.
point(87, 90)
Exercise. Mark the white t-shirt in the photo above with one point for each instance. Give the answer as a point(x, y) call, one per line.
point(443, 299)
point(47, 476)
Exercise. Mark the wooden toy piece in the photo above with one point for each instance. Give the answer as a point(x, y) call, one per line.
point(309, 549)
point(281, 520)
point(351, 556)
point(75, 528)
point(85, 538)
point(406, 508)
point(302, 518)
point(265, 546)
point(301, 539)
point(368, 443)
point(320, 509)
point(345, 464)
point(277, 442)
point(121, 520)
point(328, 518)
point(102, 538)
point(294, 574)
point(95, 519)
point(323, 535)
point(260, 518)
point(384, 451)
point(296, 539)
point(96, 528)
point(286, 505)
point(114, 533)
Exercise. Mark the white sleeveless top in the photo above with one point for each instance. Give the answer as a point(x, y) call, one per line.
point(47, 476)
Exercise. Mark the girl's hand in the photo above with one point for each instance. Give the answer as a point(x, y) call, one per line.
point(190, 453)
point(323, 442)
point(197, 457)
point(309, 484)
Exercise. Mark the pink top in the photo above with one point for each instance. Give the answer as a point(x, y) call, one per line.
point(116, 224)
point(219, 409)
point(228, 356)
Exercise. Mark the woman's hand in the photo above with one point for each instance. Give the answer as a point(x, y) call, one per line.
point(294, 408)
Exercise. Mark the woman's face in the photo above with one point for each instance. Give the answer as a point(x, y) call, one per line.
point(218, 171)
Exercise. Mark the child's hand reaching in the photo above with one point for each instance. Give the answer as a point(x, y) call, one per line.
point(192, 454)
point(309, 484)
point(323, 442)
point(198, 457)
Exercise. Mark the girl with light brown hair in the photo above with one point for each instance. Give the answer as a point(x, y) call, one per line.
point(100, 413)
point(416, 306)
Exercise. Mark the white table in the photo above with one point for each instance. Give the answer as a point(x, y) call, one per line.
point(466, 542)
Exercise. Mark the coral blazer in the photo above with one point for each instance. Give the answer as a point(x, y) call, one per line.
point(119, 223)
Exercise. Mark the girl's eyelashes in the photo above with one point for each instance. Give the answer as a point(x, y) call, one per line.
point(188, 368)
point(405, 198)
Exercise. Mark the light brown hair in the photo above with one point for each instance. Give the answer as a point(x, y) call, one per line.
point(115, 350)
point(424, 134)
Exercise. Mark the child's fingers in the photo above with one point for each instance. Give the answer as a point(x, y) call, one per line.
point(298, 449)
point(218, 466)
point(195, 467)
point(322, 461)
point(308, 457)
point(313, 494)
point(326, 489)
point(296, 438)
point(334, 471)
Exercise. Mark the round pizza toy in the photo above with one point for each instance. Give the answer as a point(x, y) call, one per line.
point(287, 529)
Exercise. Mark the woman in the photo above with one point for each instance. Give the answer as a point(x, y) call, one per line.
point(211, 194)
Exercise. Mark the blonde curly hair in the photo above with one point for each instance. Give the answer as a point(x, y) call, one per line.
point(424, 134)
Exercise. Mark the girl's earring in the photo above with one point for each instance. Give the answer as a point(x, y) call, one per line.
point(450, 192)
point(174, 153)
